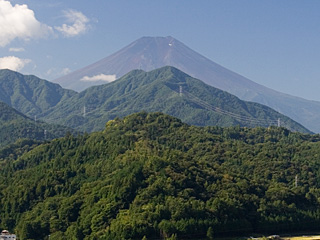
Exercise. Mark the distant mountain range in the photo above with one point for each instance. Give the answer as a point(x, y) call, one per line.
point(14, 125)
point(149, 53)
point(166, 90)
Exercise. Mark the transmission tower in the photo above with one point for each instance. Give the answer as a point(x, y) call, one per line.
point(84, 111)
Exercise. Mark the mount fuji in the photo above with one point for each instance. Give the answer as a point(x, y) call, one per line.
point(149, 53)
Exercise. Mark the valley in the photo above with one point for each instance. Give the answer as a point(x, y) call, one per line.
point(15, 126)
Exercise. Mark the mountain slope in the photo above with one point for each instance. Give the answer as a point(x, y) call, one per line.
point(14, 125)
point(149, 53)
point(151, 175)
point(159, 91)
point(29, 94)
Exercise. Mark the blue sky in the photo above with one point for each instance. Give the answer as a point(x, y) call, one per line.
point(273, 42)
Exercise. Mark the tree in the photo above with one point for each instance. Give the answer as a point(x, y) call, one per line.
point(210, 233)
point(173, 237)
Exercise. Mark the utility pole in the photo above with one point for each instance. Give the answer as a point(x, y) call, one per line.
point(84, 111)
point(279, 122)
point(180, 91)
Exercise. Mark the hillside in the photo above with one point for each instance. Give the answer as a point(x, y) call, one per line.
point(159, 91)
point(149, 53)
point(29, 94)
point(14, 125)
point(152, 175)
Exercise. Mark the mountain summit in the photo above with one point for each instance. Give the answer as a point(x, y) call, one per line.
point(29, 94)
point(149, 53)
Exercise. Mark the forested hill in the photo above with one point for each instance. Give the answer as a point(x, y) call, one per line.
point(152, 175)
point(30, 94)
point(166, 90)
point(14, 125)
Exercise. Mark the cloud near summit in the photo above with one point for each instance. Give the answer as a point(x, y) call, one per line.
point(100, 77)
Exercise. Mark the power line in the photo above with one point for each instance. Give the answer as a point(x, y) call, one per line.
point(236, 116)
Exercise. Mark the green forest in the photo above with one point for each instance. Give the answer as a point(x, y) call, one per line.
point(14, 126)
point(150, 176)
point(155, 91)
point(159, 91)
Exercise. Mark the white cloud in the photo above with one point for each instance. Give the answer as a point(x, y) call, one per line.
point(100, 77)
point(65, 71)
point(54, 72)
point(13, 63)
point(19, 21)
point(50, 71)
point(16, 49)
point(78, 24)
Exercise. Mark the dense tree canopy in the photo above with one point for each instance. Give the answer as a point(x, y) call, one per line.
point(29, 94)
point(14, 126)
point(151, 176)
